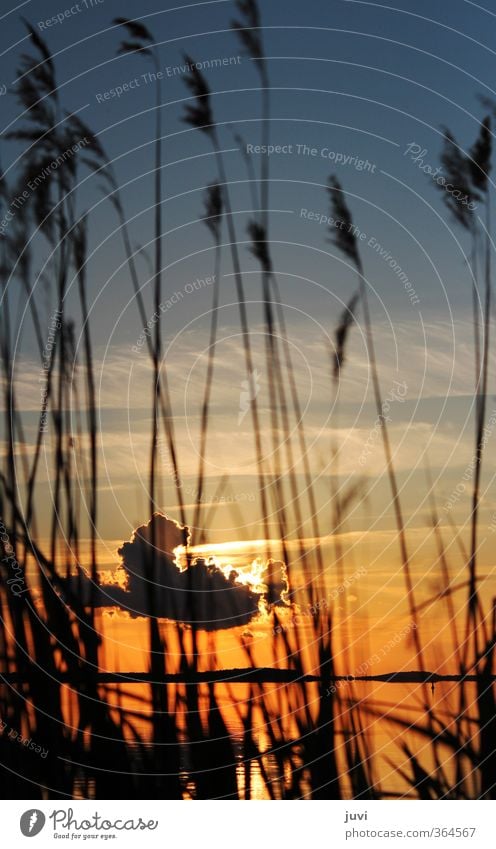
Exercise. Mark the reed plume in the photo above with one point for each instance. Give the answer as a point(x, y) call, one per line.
point(343, 236)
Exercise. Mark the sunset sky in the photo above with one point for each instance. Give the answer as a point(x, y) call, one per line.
point(412, 80)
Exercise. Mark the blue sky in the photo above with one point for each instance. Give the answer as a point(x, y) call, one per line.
point(359, 78)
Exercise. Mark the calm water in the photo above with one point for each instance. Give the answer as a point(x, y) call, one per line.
point(380, 705)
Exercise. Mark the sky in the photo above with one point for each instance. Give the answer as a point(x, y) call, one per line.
point(350, 82)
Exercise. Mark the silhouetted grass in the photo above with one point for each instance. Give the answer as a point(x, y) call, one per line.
point(172, 738)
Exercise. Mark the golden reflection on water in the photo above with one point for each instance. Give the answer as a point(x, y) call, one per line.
point(389, 713)
point(382, 708)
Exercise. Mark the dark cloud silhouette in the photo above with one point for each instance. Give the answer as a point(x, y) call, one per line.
point(150, 582)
